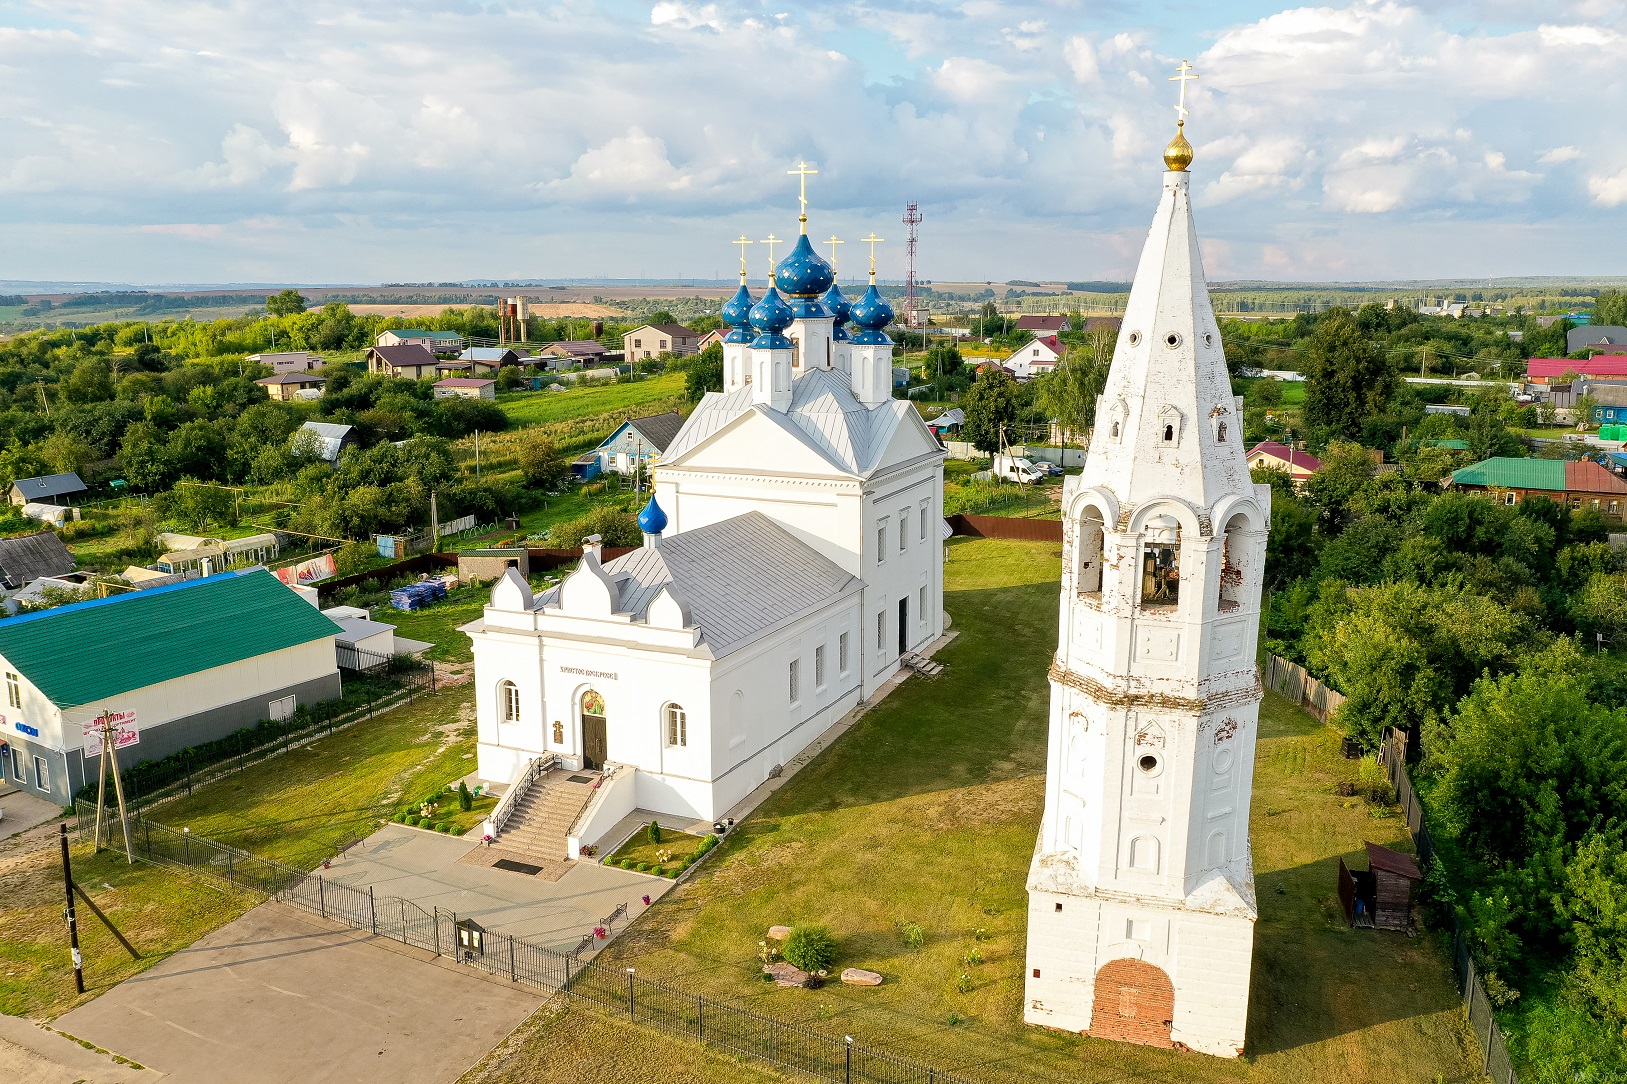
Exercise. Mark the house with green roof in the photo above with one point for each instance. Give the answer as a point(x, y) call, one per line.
point(177, 666)
point(1578, 485)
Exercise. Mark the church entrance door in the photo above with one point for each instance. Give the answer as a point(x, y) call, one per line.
point(1135, 1003)
point(903, 625)
point(595, 733)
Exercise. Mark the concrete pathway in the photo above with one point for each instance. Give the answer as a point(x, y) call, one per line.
point(280, 997)
point(31, 1053)
point(20, 811)
point(425, 867)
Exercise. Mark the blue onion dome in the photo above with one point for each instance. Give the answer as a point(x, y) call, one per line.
point(840, 308)
point(652, 520)
point(771, 315)
point(804, 273)
point(737, 310)
point(872, 314)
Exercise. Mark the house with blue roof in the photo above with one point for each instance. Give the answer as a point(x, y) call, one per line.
point(175, 666)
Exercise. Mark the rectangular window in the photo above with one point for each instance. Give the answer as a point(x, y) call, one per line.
point(14, 691)
point(841, 653)
point(881, 631)
point(796, 667)
point(511, 702)
point(923, 523)
point(903, 528)
point(282, 710)
point(922, 609)
point(1161, 574)
point(881, 543)
point(18, 772)
point(42, 776)
point(819, 667)
point(677, 725)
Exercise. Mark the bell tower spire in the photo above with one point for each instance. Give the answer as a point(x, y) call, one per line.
point(1141, 892)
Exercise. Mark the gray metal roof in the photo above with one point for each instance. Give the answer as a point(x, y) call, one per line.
point(487, 353)
point(1580, 338)
point(49, 485)
point(332, 435)
point(824, 414)
point(739, 578)
point(659, 429)
point(32, 557)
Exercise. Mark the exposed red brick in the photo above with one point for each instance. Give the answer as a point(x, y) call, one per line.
point(1135, 1003)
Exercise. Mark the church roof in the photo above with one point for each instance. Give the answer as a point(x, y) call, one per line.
point(824, 414)
point(739, 578)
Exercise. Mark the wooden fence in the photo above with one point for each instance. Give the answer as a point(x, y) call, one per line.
point(1295, 682)
point(1029, 530)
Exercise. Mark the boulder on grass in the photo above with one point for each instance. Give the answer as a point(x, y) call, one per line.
point(778, 933)
point(787, 974)
point(856, 976)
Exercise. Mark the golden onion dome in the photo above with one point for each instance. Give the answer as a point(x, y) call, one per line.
point(1178, 155)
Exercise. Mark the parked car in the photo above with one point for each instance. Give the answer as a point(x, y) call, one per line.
point(1015, 468)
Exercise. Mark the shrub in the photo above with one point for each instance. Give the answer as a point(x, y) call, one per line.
point(625, 863)
point(1374, 785)
point(964, 983)
point(974, 957)
point(654, 832)
point(911, 934)
point(401, 818)
point(810, 948)
point(643, 867)
point(414, 819)
point(673, 873)
point(466, 801)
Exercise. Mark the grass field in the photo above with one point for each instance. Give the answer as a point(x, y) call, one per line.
point(439, 623)
point(304, 805)
point(542, 407)
point(925, 813)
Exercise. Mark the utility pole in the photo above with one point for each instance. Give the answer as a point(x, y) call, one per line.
point(477, 455)
point(434, 524)
point(72, 914)
point(110, 762)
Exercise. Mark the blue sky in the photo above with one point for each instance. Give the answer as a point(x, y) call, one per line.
point(152, 142)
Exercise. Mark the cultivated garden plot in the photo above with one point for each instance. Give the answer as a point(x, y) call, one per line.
point(910, 841)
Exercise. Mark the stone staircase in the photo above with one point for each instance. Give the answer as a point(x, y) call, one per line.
point(545, 813)
point(921, 665)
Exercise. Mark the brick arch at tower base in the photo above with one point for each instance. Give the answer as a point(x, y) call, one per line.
point(1135, 1003)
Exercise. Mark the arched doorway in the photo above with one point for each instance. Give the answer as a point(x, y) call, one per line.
point(595, 735)
point(1135, 1003)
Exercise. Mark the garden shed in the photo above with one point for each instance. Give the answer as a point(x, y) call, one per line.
point(1380, 897)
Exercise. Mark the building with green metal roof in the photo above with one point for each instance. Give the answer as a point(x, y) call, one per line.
point(1581, 484)
point(183, 664)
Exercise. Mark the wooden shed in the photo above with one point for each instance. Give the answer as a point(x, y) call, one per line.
point(1380, 896)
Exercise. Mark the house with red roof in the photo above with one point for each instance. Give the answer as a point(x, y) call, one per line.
point(1546, 372)
point(1043, 326)
point(1269, 455)
point(1035, 357)
point(1582, 484)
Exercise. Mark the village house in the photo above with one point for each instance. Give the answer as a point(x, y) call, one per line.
point(1269, 455)
point(651, 340)
point(56, 489)
point(1551, 372)
point(1042, 327)
point(465, 387)
point(581, 351)
point(713, 336)
point(486, 360)
point(1035, 358)
point(638, 442)
point(1605, 338)
point(287, 387)
point(415, 361)
point(439, 342)
point(1583, 484)
point(287, 361)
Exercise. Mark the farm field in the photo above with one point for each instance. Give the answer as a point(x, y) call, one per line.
point(540, 407)
point(925, 813)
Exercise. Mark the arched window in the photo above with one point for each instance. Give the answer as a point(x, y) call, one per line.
point(677, 725)
point(1220, 433)
point(1144, 854)
point(1169, 434)
point(1115, 431)
point(1090, 552)
point(1231, 563)
point(508, 701)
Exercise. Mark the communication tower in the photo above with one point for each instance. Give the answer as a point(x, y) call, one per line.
point(912, 219)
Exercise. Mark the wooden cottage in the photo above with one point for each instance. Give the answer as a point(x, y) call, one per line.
point(1380, 896)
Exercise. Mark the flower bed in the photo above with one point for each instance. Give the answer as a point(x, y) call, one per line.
point(675, 852)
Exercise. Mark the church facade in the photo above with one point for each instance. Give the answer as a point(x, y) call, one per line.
point(1141, 891)
point(793, 556)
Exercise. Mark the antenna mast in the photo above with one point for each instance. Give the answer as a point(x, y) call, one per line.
point(912, 219)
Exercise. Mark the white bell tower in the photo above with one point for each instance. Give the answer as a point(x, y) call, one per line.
point(1141, 893)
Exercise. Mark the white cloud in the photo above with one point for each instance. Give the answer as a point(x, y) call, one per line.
point(1608, 190)
point(1081, 57)
point(1561, 154)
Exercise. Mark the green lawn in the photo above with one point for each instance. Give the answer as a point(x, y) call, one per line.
point(925, 813)
point(542, 407)
point(677, 845)
point(302, 806)
point(438, 623)
point(157, 911)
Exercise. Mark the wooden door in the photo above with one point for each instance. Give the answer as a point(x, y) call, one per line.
point(595, 741)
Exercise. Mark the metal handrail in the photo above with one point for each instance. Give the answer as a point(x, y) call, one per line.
point(505, 807)
point(597, 796)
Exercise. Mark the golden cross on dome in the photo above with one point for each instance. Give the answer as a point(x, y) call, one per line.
point(833, 242)
point(770, 241)
point(803, 172)
point(1184, 74)
point(872, 241)
point(742, 242)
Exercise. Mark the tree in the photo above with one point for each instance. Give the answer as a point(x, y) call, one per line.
point(1610, 309)
point(88, 383)
point(1348, 378)
point(144, 457)
point(66, 451)
point(1346, 470)
point(540, 461)
point(704, 373)
point(991, 407)
point(286, 303)
point(1069, 392)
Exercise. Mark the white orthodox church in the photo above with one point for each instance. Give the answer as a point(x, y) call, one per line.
point(1141, 893)
point(793, 554)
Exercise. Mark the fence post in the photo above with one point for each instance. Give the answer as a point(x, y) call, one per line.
point(230, 876)
point(700, 1019)
point(147, 826)
point(630, 994)
point(321, 897)
point(849, 1077)
point(372, 912)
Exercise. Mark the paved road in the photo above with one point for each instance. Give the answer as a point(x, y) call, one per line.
point(278, 997)
point(424, 867)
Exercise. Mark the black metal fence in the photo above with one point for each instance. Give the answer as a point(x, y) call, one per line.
point(1499, 1066)
point(617, 991)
